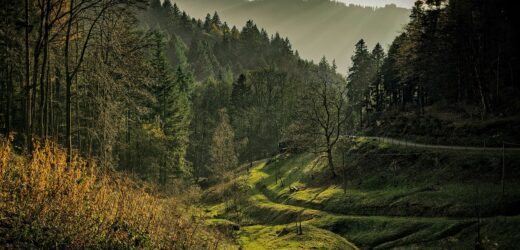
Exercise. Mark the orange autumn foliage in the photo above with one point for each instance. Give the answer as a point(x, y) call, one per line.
point(45, 202)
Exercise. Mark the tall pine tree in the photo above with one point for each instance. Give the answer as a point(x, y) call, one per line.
point(173, 110)
point(359, 76)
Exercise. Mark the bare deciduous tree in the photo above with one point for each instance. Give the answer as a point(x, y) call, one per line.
point(323, 110)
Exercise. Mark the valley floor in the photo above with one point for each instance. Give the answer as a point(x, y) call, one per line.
point(372, 215)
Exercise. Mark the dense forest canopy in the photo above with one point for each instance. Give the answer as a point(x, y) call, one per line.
point(167, 80)
point(151, 95)
point(445, 55)
point(316, 28)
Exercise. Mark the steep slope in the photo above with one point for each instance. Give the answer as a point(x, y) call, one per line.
point(387, 197)
point(208, 48)
point(317, 28)
point(256, 79)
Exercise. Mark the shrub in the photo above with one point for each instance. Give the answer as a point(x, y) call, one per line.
point(46, 202)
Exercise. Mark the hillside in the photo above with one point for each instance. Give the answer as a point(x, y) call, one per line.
point(386, 197)
point(316, 28)
point(210, 47)
point(242, 79)
point(149, 124)
point(47, 202)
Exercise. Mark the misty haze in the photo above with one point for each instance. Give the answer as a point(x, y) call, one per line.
point(265, 124)
point(315, 28)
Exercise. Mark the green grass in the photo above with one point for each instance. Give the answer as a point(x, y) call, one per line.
point(285, 237)
point(419, 207)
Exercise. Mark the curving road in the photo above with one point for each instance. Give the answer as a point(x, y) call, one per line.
point(430, 146)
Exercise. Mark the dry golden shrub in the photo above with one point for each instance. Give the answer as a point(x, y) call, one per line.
point(47, 203)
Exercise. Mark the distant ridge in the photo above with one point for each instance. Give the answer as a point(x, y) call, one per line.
point(315, 27)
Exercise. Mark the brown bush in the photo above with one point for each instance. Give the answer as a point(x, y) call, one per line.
point(47, 203)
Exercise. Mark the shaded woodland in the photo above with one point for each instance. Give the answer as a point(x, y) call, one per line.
point(137, 100)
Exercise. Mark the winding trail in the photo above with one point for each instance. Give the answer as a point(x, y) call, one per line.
point(337, 222)
point(432, 146)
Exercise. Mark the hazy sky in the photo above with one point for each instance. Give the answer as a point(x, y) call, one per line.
point(400, 3)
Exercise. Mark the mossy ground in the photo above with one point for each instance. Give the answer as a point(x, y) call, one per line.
point(430, 201)
point(285, 237)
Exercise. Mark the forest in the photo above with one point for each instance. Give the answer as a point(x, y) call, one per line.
point(303, 21)
point(132, 124)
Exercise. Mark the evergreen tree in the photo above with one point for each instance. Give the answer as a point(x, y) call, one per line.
point(186, 23)
point(167, 6)
point(239, 94)
point(391, 78)
point(225, 28)
point(235, 34)
point(216, 20)
point(177, 52)
point(207, 23)
point(359, 76)
point(202, 60)
point(173, 111)
point(176, 11)
point(184, 80)
point(376, 83)
point(250, 32)
point(155, 4)
point(207, 101)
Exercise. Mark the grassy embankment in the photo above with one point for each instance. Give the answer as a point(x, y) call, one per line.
point(386, 197)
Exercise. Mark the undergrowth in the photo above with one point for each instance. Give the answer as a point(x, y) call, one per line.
point(46, 202)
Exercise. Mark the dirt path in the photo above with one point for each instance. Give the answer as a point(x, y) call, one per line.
point(431, 146)
point(419, 231)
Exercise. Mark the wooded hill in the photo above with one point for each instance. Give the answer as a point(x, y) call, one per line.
point(151, 95)
point(316, 28)
point(180, 104)
point(245, 77)
point(171, 85)
point(454, 68)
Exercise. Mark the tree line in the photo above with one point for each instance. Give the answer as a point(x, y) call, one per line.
point(143, 87)
point(452, 53)
point(84, 74)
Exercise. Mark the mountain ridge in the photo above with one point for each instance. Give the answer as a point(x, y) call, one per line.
point(316, 28)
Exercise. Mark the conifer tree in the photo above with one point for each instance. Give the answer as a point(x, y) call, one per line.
point(391, 78)
point(216, 20)
point(202, 59)
point(239, 93)
point(359, 76)
point(376, 83)
point(176, 11)
point(173, 111)
point(207, 23)
point(235, 34)
point(155, 4)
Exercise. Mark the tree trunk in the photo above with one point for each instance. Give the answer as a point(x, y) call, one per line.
point(68, 119)
point(28, 132)
point(9, 106)
point(481, 92)
point(36, 62)
point(43, 69)
point(361, 117)
point(421, 99)
point(68, 83)
point(331, 162)
point(47, 103)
